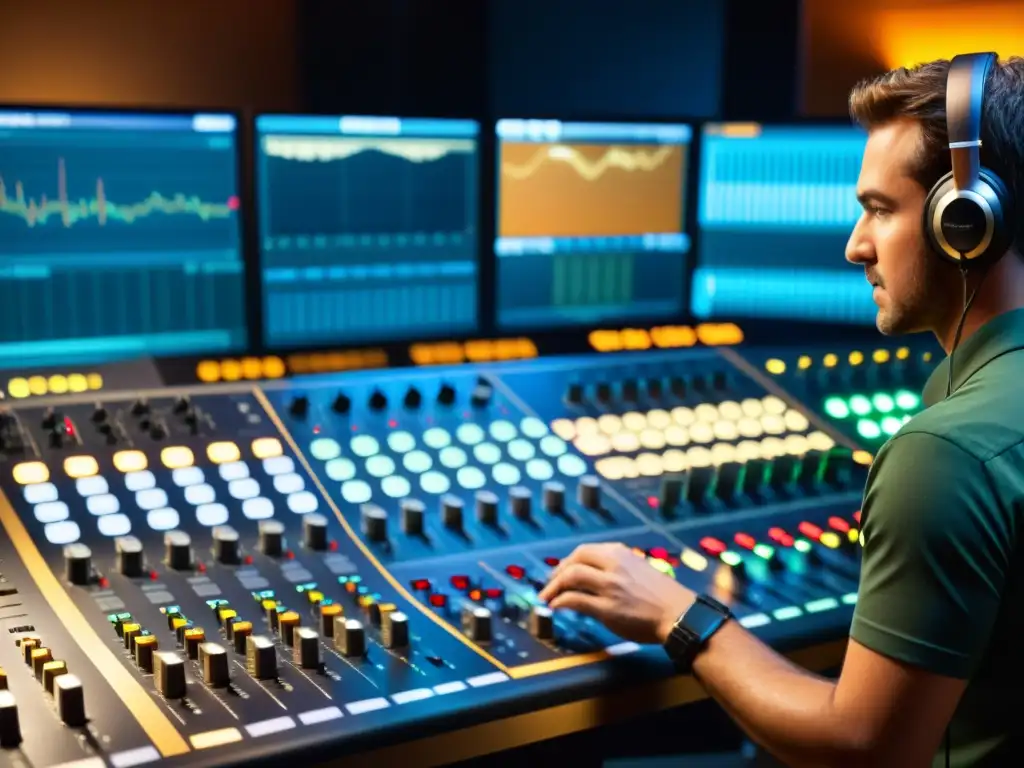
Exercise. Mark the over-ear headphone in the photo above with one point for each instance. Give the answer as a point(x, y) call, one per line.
point(965, 212)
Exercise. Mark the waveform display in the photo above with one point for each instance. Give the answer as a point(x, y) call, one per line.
point(590, 190)
point(334, 185)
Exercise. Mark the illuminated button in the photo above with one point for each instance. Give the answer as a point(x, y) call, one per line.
point(235, 470)
point(40, 493)
point(539, 470)
point(187, 476)
point(502, 430)
point(553, 446)
point(356, 491)
point(210, 515)
point(836, 407)
point(533, 427)
point(469, 434)
point(91, 486)
point(471, 478)
point(378, 466)
point(860, 405)
point(506, 474)
point(114, 525)
point(868, 429)
point(725, 430)
point(907, 401)
point(197, 495)
point(302, 503)
point(176, 457)
point(165, 519)
point(266, 448)
point(693, 560)
point(395, 487)
point(130, 461)
point(278, 465)
point(246, 488)
point(487, 453)
point(223, 452)
point(340, 470)
point(324, 449)
point(80, 466)
point(830, 539)
point(452, 457)
point(63, 532)
point(152, 498)
point(564, 428)
point(883, 402)
point(364, 446)
point(51, 512)
point(258, 508)
point(417, 462)
point(139, 481)
point(436, 438)
point(434, 482)
point(795, 421)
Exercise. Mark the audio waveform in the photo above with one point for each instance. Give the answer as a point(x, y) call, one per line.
point(39, 211)
point(330, 148)
point(616, 157)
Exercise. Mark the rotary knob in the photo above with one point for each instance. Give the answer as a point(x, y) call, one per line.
point(129, 556)
point(225, 545)
point(413, 512)
point(271, 537)
point(349, 636)
point(588, 492)
point(451, 512)
point(521, 501)
point(487, 507)
point(554, 497)
point(374, 521)
point(314, 532)
point(476, 623)
point(78, 564)
point(542, 625)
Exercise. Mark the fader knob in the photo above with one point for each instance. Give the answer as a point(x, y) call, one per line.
point(342, 403)
point(225, 545)
point(129, 556)
point(299, 406)
point(670, 493)
point(99, 413)
point(476, 623)
point(554, 497)
point(271, 537)
point(574, 393)
point(446, 394)
point(140, 407)
point(701, 484)
point(487, 507)
point(395, 632)
point(178, 550)
point(520, 500)
point(70, 699)
point(213, 658)
point(314, 532)
point(78, 563)
point(10, 727)
point(588, 492)
point(413, 512)
point(307, 648)
point(374, 521)
point(181, 405)
point(451, 512)
point(169, 674)
point(260, 657)
point(481, 394)
point(378, 401)
point(412, 398)
point(349, 636)
point(542, 625)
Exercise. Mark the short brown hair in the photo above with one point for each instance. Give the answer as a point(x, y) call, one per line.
point(919, 93)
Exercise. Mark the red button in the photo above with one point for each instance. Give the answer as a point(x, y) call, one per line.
point(438, 600)
point(460, 582)
point(712, 545)
point(810, 530)
point(837, 523)
point(517, 572)
point(744, 540)
point(421, 585)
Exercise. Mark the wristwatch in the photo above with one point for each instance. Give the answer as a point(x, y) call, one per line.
point(693, 629)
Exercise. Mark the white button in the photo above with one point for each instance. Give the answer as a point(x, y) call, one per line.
point(165, 519)
point(186, 476)
point(340, 470)
point(290, 483)
point(154, 498)
point(114, 525)
point(51, 512)
point(396, 487)
point(92, 486)
point(102, 505)
point(139, 481)
point(302, 502)
point(356, 491)
point(364, 446)
point(212, 514)
point(200, 494)
point(401, 442)
point(244, 489)
point(380, 466)
point(39, 493)
point(259, 508)
point(234, 470)
point(470, 478)
point(64, 532)
point(278, 465)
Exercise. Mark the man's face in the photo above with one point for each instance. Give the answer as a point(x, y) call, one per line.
point(889, 241)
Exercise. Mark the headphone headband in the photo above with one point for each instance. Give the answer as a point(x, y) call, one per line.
point(965, 92)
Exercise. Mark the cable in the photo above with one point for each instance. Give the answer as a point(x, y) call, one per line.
point(968, 301)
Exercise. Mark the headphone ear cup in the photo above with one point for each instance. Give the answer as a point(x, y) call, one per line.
point(995, 193)
point(943, 186)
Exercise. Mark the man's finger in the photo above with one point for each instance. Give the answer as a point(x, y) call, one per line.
point(588, 605)
point(576, 577)
point(601, 556)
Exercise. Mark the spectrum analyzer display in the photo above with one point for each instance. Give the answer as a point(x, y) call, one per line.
point(591, 221)
point(119, 236)
point(368, 228)
point(777, 206)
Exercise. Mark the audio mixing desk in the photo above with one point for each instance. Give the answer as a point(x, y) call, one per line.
point(346, 564)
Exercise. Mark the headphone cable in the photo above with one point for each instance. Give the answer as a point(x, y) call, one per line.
point(967, 302)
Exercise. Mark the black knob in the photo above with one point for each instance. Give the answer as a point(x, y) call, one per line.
point(140, 407)
point(314, 532)
point(378, 400)
point(181, 405)
point(481, 394)
point(487, 507)
point(574, 394)
point(730, 480)
point(654, 388)
point(412, 398)
point(413, 514)
point(191, 420)
point(50, 418)
point(99, 413)
point(520, 499)
point(446, 395)
point(299, 406)
point(178, 550)
point(129, 556)
point(374, 521)
point(158, 431)
point(701, 484)
point(342, 403)
point(630, 390)
point(670, 493)
point(78, 564)
point(588, 492)
point(677, 384)
point(225, 545)
point(604, 392)
point(451, 512)
point(271, 537)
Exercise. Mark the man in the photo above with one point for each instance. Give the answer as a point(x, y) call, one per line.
point(934, 663)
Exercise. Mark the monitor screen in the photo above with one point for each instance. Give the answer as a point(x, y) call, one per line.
point(119, 236)
point(777, 205)
point(591, 222)
point(368, 228)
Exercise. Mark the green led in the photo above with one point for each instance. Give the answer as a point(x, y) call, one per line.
point(860, 405)
point(868, 429)
point(891, 425)
point(764, 551)
point(305, 587)
point(266, 594)
point(731, 559)
point(836, 408)
point(883, 402)
point(802, 545)
point(661, 565)
point(907, 401)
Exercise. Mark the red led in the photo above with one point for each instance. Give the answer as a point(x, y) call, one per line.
point(69, 428)
point(839, 524)
point(316, 430)
point(201, 567)
point(551, 562)
point(392, 423)
point(745, 540)
point(153, 575)
point(777, 534)
point(810, 530)
point(494, 593)
point(421, 585)
point(104, 582)
point(712, 546)
point(460, 582)
point(333, 546)
point(787, 541)
point(289, 555)
point(233, 203)
point(652, 502)
point(437, 600)
point(517, 572)
point(658, 553)
point(248, 560)
point(856, 516)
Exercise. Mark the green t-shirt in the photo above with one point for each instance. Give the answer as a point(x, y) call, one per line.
point(942, 585)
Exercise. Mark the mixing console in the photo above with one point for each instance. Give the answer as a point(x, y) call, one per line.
point(332, 564)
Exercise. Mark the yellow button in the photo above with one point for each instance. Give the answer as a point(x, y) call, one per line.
point(29, 472)
point(81, 466)
point(331, 609)
point(18, 388)
point(830, 539)
point(77, 382)
point(266, 447)
point(130, 461)
point(177, 623)
point(177, 456)
point(223, 453)
point(315, 596)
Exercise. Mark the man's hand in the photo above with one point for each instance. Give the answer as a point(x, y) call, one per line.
point(611, 583)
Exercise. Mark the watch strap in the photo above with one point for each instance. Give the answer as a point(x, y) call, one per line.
point(692, 630)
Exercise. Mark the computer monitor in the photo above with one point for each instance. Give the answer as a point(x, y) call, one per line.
point(368, 228)
point(777, 206)
point(591, 223)
point(119, 236)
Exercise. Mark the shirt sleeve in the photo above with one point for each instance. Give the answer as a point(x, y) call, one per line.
point(936, 554)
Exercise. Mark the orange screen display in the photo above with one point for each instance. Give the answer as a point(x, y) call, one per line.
point(590, 190)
